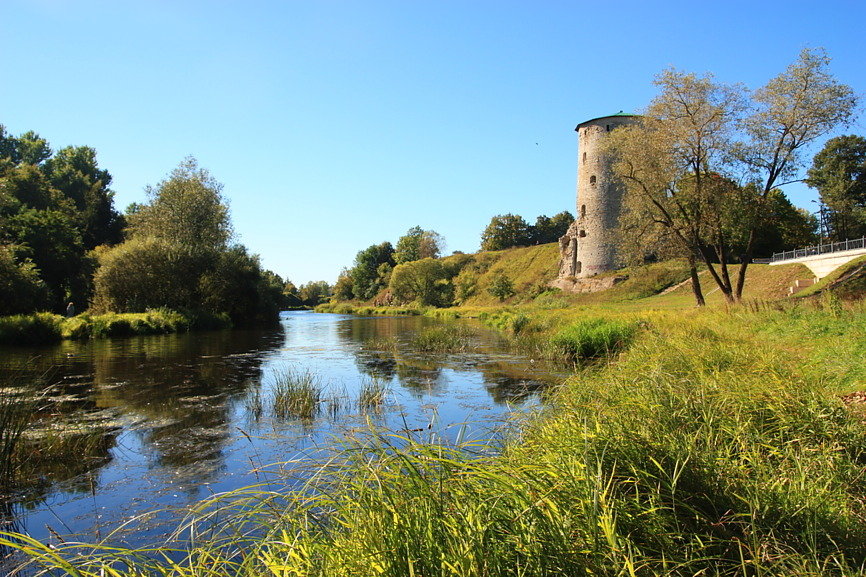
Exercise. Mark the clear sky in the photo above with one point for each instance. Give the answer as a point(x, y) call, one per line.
point(336, 125)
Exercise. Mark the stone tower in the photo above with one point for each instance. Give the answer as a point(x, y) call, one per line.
point(589, 246)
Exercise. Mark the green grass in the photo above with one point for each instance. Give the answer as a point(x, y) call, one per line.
point(41, 328)
point(591, 338)
point(445, 338)
point(296, 394)
point(31, 329)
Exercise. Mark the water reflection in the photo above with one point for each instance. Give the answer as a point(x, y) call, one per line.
point(162, 421)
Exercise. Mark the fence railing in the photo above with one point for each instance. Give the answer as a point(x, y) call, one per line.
point(820, 249)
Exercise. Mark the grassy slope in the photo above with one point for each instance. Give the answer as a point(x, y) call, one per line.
point(531, 268)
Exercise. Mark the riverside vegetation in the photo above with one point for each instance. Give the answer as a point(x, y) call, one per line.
point(715, 442)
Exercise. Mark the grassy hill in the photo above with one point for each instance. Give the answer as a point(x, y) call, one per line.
point(657, 285)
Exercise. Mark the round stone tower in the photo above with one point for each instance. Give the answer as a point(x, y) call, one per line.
point(589, 246)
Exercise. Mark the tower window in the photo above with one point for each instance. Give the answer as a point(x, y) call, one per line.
point(592, 180)
point(577, 267)
point(582, 210)
point(582, 233)
point(607, 127)
point(584, 158)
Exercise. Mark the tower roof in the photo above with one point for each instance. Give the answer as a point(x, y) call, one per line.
point(618, 114)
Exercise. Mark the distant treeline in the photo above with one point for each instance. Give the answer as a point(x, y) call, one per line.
point(64, 247)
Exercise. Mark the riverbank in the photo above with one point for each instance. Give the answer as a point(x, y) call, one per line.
point(726, 441)
point(44, 328)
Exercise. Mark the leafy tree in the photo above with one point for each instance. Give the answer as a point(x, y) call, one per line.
point(314, 293)
point(786, 226)
point(186, 208)
point(74, 172)
point(424, 281)
point(547, 229)
point(669, 160)
point(839, 173)
point(793, 110)
point(680, 160)
point(30, 148)
point(366, 282)
point(417, 244)
point(231, 285)
point(51, 241)
point(505, 231)
point(29, 188)
point(343, 286)
point(501, 287)
point(21, 289)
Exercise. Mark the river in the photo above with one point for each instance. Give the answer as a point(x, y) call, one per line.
point(142, 428)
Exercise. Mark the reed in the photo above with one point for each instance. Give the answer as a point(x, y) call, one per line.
point(373, 395)
point(296, 393)
point(15, 414)
point(444, 338)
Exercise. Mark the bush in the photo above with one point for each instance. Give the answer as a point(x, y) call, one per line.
point(593, 338)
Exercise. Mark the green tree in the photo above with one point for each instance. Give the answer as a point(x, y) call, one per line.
point(424, 281)
point(21, 289)
point(150, 272)
point(838, 172)
point(30, 148)
point(343, 286)
point(186, 208)
point(501, 287)
point(314, 293)
point(793, 111)
point(505, 231)
point(366, 282)
point(672, 160)
point(418, 243)
point(50, 239)
point(75, 172)
point(547, 229)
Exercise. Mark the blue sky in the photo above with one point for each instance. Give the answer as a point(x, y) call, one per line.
point(336, 125)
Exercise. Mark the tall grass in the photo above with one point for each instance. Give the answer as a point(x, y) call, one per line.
point(445, 338)
point(592, 338)
point(372, 395)
point(15, 414)
point(296, 393)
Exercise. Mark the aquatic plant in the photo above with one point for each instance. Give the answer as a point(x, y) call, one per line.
point(15, 414)
point(373, 395)
point(446, 338)
point(296, 393)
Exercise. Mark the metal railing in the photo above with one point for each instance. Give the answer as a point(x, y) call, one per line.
point(820, 249)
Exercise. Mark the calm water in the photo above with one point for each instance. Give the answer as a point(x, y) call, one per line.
point(151, 425)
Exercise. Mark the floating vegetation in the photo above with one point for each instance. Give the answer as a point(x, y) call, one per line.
point(373, 395)
point(296, 393)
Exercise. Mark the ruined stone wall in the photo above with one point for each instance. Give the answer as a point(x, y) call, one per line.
point(589, 246)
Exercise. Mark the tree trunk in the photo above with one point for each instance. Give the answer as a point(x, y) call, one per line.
point(696, 282)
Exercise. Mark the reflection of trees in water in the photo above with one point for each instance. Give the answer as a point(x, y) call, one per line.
point(181, 385)
point(513, 382)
